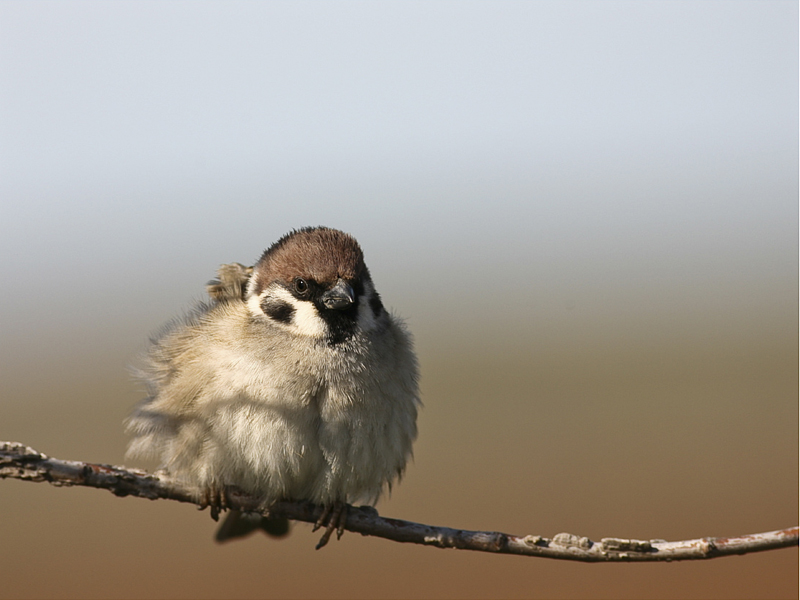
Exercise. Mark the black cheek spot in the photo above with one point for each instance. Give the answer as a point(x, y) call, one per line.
point(277, 310)
point(376, 305)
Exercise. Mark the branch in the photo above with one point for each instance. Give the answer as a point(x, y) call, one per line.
point(18, 461)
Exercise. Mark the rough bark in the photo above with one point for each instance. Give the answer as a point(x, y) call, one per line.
point(18, 461)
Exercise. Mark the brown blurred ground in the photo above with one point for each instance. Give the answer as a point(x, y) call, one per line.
point(673, 436)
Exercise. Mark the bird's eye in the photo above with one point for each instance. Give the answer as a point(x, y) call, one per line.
point(300, 285)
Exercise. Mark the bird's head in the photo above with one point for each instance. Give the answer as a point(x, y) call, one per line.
point(313, 281)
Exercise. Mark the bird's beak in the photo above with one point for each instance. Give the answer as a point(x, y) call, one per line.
point(339, 296)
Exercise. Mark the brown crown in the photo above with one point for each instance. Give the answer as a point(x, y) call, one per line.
point(317, 253)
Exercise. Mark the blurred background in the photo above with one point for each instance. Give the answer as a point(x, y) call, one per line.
point(587, 212)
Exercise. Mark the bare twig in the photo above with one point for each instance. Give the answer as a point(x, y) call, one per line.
point(18, 461)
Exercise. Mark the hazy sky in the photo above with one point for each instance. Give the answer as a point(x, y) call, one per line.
point(546, 149)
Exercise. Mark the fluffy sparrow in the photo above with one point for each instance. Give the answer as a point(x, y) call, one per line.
point(293, 382)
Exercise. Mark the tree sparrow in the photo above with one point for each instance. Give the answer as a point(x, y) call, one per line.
point(292, 383)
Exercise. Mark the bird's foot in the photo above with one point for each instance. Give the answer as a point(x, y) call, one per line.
point(215, 497)
point(333, 518)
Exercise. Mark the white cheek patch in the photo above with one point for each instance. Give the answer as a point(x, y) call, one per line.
point(254, 306)
point(251, 286)
point(305, 320)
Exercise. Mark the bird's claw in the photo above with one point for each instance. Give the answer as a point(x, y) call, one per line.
point(215, 498)
point(333, 518)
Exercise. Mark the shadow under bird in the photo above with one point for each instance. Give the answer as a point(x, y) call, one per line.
point(292, 383)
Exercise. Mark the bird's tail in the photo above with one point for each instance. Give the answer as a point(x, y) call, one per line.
point(241, 524)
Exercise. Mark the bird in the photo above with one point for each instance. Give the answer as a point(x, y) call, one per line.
point(291, 382)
